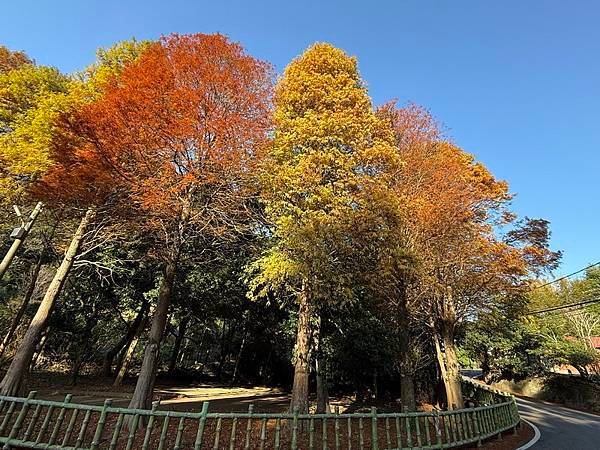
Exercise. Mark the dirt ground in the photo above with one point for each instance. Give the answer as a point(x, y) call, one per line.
point(173, 395)
point(509, 441)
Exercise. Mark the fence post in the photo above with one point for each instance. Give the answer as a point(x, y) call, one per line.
point(496, 420)
point(295, 429)
point(163, 433)
point(514, 413)
point(101, 423)
point(200, 433)
point(336, 427)
point(20, 418)
point(249, 427)
point(374, 437)
point(478, 429)
point(146, 441)
point(60, 418)
point(438, 430)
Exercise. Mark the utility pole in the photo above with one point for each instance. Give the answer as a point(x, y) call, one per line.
point(19, 234)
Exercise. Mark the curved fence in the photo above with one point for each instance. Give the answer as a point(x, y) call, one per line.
point(31, 423)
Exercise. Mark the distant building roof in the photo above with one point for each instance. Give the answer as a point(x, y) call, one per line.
point(594, 340)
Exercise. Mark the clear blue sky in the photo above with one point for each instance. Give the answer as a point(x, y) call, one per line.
point(517, 83)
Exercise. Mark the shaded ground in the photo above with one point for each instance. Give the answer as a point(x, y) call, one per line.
point(509, 440)
point(174, 396)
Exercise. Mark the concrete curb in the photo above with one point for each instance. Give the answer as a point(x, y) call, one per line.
point(534, 439)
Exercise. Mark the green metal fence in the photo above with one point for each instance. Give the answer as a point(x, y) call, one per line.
point(31, 423)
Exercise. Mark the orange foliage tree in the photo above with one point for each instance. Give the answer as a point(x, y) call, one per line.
point(176, 136)
point(450, 259)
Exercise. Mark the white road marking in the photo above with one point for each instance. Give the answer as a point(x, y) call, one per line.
point(536, 436)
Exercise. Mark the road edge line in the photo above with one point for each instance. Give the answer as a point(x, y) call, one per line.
point(534, 439)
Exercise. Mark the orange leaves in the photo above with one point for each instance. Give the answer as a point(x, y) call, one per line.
point(187, 115)
point(450, 209)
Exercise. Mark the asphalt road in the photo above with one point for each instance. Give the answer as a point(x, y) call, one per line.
point(561, 428)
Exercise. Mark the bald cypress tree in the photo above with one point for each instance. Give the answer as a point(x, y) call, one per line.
point(322, 158)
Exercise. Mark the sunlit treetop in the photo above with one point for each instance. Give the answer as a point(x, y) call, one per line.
point(188, 114)
point(322, 102)
point(10, 60)
point(111, 61)
point(33, 98)
point(328, 147)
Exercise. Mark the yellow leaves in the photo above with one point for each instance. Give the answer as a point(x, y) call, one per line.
point(271, 272)
point(328, 148)
point(321, 101)
point(31, 98)
point(23, 88)
point(110, 62)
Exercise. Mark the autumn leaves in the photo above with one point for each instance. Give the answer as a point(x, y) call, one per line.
point(187, 141)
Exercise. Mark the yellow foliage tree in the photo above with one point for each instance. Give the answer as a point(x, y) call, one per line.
point(30, 98)
point(327, 151)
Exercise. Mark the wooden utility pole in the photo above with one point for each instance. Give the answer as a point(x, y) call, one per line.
point(20, 235)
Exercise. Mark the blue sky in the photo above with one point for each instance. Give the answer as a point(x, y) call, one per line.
point(516, 83)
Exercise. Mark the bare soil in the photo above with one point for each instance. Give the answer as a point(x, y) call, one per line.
point(509, 441)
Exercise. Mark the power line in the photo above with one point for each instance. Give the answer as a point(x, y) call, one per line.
point(566, 276)
point(568, 305)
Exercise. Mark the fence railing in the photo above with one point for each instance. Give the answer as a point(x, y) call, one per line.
point(31, 423)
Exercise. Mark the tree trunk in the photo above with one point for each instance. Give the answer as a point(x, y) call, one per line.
point(299, 399)
point(222, 348)
point(127, 354)
point(451, 370)
point(407, 387)
point(82, 352)
point(262, 372)
point(178, 340)
point(125, 341)
point(239, 356)
point(125, 361)
point(183, 355)
point(407, 392)
point(322, 391)
point(39, 349)
point(12, 380)
point(14, 248)
point(374, 384)
point(142, 396)
point(23, 307)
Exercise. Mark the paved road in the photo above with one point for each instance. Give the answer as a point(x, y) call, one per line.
point(561, 428)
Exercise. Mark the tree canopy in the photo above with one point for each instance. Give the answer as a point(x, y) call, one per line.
point(279, 232)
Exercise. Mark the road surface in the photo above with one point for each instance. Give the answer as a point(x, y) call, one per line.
point(561, 428)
